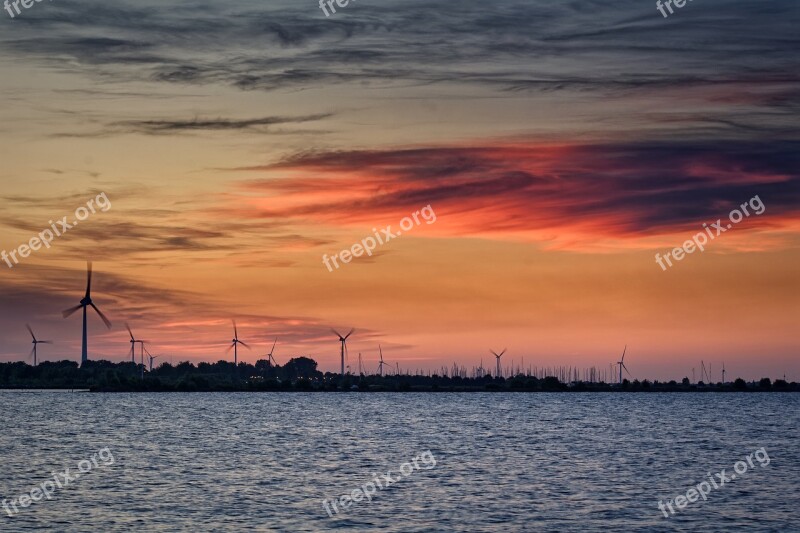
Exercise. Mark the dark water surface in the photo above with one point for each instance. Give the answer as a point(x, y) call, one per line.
point(504, 462)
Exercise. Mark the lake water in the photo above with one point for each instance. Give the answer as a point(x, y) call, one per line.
point(503, 462)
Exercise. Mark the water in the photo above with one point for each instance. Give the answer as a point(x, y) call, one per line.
point(504, 462)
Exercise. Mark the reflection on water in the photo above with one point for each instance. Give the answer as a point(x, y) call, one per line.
point(504, 462)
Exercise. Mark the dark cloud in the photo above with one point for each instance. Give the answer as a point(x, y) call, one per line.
point(617, 190)
point(516, 45)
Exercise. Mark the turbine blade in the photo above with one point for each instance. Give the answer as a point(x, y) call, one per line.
point(351, 332)
point(71, 310)
point(44, 342)
point(337, 333)
point(88, 278)
point(244, 344)
point(273, 346)
point(30, 331)
point(129, 331)
point(105, 320)
point(493, 353)
point(229, 349)
point(235, 331)
point(31, 354)
point(626, 370)
point(504, 351)
point(623, 352)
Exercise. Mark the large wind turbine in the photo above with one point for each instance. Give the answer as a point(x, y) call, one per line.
point(234, 344)
point(86, 302)
point(343, 340)
point(382, 363)
point(621, 364)
point(35, 342)
point(498, 356)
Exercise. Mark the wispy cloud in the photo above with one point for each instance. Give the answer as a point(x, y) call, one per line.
point(171, 127)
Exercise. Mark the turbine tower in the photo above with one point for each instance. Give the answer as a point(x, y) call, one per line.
point(498, 356)
point(723, 373)
point(234, 344)
point(343, 340)
point(35, 342)
point(141, 355)
point(86, 302)
point(621, 364)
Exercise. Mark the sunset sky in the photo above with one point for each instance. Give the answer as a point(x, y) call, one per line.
point(561, 145)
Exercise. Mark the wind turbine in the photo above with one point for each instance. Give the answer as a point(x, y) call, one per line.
point(152, 358)
point(497, 375)
point(133, 342)
point(723, 373)
point(382, 363)
point(621, 364)
point(270, 358)
point(35, 342)
point(86, 302)
point(704, 373)
point(343, 340)
point(234, 344)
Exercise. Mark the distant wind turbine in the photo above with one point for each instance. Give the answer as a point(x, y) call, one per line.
point(621, 364)
point(86, 302)
point(152, 358)
point(498, 356)
point(343, 340)
point(269, 355)
point(382, 363)
point(133, 342)
point(234, 344)
point(35, 342)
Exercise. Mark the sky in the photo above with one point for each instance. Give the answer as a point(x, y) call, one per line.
point(555, 147)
